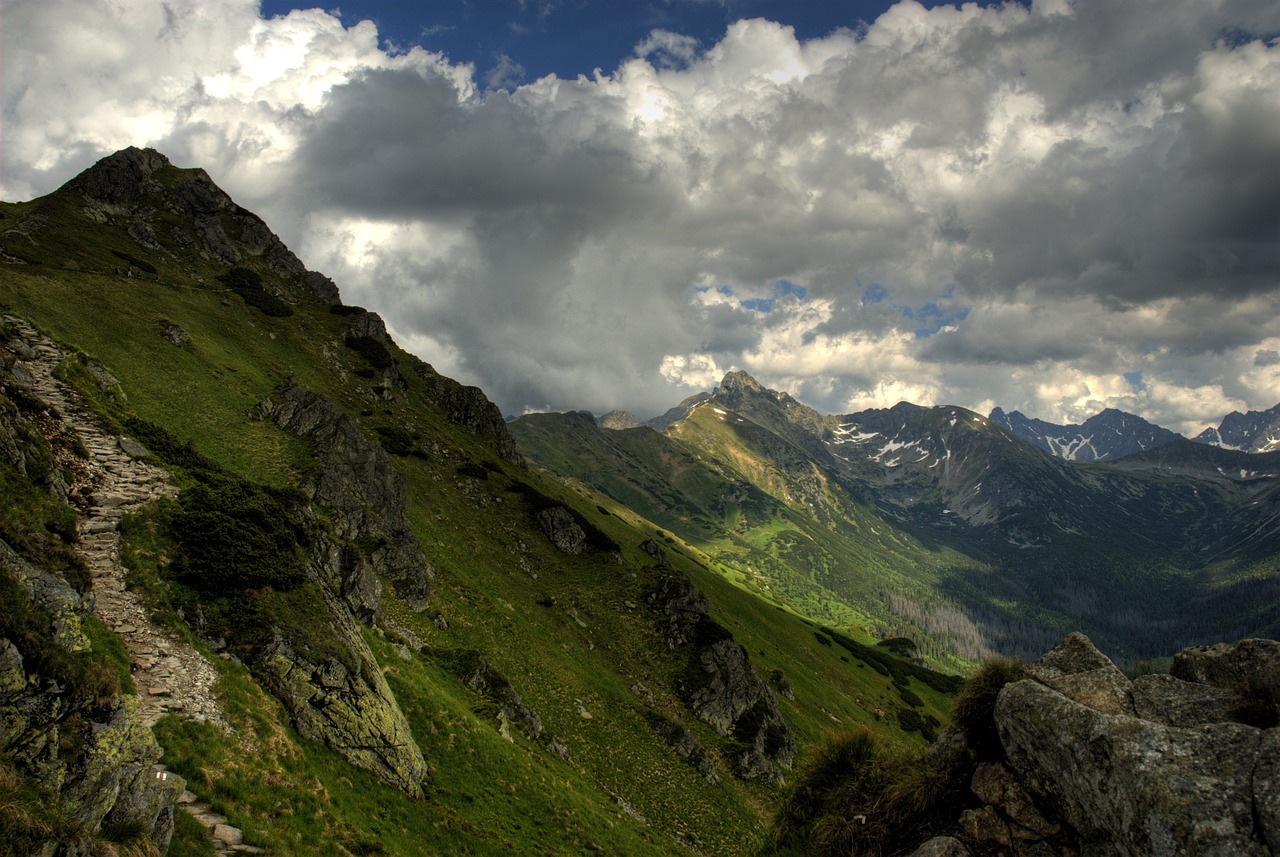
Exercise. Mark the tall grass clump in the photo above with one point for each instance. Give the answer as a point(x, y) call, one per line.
point(855, 800)
point(973, 711)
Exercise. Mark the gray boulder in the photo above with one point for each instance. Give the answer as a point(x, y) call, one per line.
point(1168, 777)
point(1250, 667)
point(561, 528)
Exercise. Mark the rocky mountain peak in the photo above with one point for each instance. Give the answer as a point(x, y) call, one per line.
point(1256, 431)
point(739, 381)
point(121, 179)
point(618, 420)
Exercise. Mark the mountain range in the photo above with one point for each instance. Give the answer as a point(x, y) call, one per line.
point(270, 584)
point(971, 534)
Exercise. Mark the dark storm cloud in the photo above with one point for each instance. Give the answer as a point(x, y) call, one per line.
point(1085, 189)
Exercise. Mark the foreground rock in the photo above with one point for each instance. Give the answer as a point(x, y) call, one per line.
point(1096, 764)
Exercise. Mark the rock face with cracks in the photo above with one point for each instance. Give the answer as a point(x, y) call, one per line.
point(356, 482)
point(719, 683)
point(1096, 764)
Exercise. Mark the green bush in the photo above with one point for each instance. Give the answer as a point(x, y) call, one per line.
point(373, 351)
point(852, 799)
point(247, 283)
point(397, 440)
point(236, 535)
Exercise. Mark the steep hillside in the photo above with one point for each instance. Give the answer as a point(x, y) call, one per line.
point(418, 643)
point(938, 523)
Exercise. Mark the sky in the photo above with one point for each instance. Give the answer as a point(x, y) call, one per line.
point(1053, 207)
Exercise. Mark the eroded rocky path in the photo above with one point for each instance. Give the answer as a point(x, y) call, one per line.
point(109, 481)
point(170, 676)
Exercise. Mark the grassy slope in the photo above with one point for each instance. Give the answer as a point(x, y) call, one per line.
point(583, 653)
point(787, 533)
point(1144, 561)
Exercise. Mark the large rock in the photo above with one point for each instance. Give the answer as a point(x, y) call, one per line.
point(91, 749)
point(1173, 702)
point(719, 684)
point(1141, 787)
point(357, 484)
point(1075, 668)
point(346, 704)
point(1149, 768)
point(562, 529)
point(1250, 667)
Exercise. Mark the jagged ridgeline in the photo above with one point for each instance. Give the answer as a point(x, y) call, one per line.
point(259, 561)
point(941, 525)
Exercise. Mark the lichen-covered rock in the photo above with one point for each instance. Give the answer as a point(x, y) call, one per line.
point(65, 605)
point(1161, 698)
point(1266, 789)
point(941, 846)
point(1078, 670)
point(349, 708)
point(356, 482)
point(92, 749)
point(562, 529)
point(1250, 667)
point(1144, 787)
point(115, 782)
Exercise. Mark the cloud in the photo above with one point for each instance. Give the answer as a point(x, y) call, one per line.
point(1011, 205)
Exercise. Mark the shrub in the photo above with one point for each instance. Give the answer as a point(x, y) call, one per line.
point(247, 284)
point(396, 440)
point(236, 535)
point(373, 351)
point(974, 708)
point(851, 799)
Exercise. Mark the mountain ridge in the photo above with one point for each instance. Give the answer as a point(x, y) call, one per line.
point(363, 558)
point(1056, 538)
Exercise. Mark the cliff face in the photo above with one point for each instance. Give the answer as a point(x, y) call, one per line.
point(720, 685)
point(1093, 763)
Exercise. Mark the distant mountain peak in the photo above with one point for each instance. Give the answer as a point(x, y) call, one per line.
point(1105, 436)
point(1256, 431)
point(618, 421)
point(739, 381)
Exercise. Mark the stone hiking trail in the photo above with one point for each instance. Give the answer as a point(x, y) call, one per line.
point(169, 675)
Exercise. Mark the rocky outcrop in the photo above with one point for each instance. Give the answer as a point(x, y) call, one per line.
point(476, 673)
point(1096, 764)
point(562, 529)
point(356, 483)
point(618, 421)
point(94, 751)
point(342, 699)
point(470, 408)
point(719, 684)
point(129, 184)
